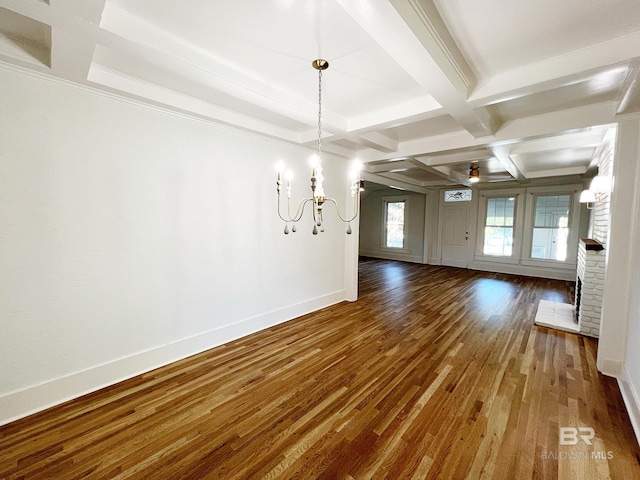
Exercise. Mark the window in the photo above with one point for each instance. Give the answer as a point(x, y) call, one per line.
point(551, 227)
point(457, 195)
point(498, 228)
point(534, 227)
point(394, 213)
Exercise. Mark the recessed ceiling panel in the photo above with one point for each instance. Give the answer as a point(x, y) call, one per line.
point(547, 72)
point(421, 175)
point(601, 87)
point(557, 159)
point(423, 128)
point(500, 35)
point(268, 46)
point(126, 67)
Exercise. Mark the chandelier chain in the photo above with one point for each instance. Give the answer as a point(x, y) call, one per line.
point(319, 114)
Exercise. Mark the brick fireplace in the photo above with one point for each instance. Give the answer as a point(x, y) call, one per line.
point(590, 286)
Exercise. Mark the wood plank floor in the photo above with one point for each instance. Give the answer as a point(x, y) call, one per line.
point(435, 372)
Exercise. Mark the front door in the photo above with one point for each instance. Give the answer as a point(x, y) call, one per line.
point(455, 237)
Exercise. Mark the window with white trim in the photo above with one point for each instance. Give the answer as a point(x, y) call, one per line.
point(498, 226)
point(551, 223)
point(394, 223)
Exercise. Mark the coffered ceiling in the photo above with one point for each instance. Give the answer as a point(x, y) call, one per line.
point(416, 89)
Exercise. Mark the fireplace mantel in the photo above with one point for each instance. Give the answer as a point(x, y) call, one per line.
point(592, 244)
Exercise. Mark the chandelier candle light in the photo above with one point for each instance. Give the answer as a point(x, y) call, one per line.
point(318, 198)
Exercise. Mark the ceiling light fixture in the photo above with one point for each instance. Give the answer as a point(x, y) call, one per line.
point(318, 198)
point(474, 173)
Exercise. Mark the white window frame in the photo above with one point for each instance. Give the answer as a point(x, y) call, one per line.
point(518, 221)
point(394, 199)
point(574, 222)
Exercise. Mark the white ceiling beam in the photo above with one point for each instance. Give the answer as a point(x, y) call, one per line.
point(398, 114)
point(396, 177)
point(452, 89)
point(398, 183)
point(630, 92)
point(181, 103)
point(74, 37)
point(453, 176)
point(426, 145)
point(557, 172)
point(425, 21)
point(446, 174)
point(564, 120)
point(557, 71)
point(309, 139)
point(388, 166)
point(414, 35)
point(73, 32)
point(373, 140)
point(516, 130)
point(591, 137)
point(465, 156)
point(376, 140)
point(39, 11)
point(146, 45)
point(502, 154)
point(337, 150)
point(71, 54)
point(442, 171)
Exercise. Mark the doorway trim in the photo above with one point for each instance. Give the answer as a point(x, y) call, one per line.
point(472, 207)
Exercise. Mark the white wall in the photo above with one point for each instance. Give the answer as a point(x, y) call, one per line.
point(630, 381)
point(372, 226)
point(618, 353)
point(431, 228)
point(621, 247)
point(131, 237)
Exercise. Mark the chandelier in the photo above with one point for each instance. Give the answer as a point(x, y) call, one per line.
point(318, 199)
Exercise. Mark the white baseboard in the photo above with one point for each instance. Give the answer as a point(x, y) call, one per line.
point(403, 257)
point(526, 270)
point(22, 403)
point(611, 368)
point(631, 401)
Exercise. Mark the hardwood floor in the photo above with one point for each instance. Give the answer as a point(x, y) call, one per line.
point(435, 372)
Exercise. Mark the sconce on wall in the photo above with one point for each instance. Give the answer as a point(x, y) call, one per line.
point(588, 197)
point(599, 187)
